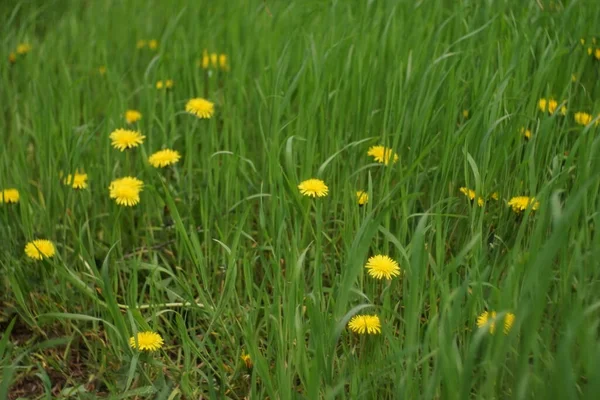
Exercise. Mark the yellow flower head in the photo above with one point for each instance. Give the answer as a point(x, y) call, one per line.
point(162, 158)
point(526, 133)
point(589, 51)
point(582, 118)
point(40, 249)
point(200, 107)
point(224, 62)
point(153, 44)
point(160, 84)
point(542, 104)
point(362, 197)
point(102, 70)
point(214, 59)
point(125, 139)
point(76, 181)
point(126, 191)
point(132, 116)
point(169, 83)
point(494, 196)
point(488, 320)
point(382, 267)
point(382, 154)
point(365, 324)
point(313, 188)
point(522, 203)
point(597, 54)
point(247, 360)
point(205, 59)
point(471, 195)
point(146, 341)
point(12, 58)
point(9, 196)
point(465, 114)
point(23, 48)
point(141, 44)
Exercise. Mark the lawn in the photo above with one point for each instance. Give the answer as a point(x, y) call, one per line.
point(299, 199)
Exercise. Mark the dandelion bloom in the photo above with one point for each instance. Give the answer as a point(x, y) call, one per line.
point(550, 105)
point(102, 70)
point(132, 116)
point(382, 267)
point(76, 181)
point(12, 58)
point(526, 133)
point(169, 83)
point(200, 107)
point(162, 158)
point(382, 154)
point(313, 188)
point(214, 59)
point(247, 360)
point(582, 118)
point(40, 249)
point(597, 54)
point(141, 44)
point(205, 59)
point(465, 114)
point(362, 324)
point(153, 44)
point(362, 197)
point(146, 341)
point(521, 203)
point(487, 319)
point(223, 62)
point(23, 48)
point(9, 196)
point(494, 196)
point(123, 139)
point(542, 104)
point(471, 195)
point(126, 191)
point(160, 84)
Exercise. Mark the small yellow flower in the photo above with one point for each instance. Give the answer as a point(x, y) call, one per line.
point(365, 324)
point(597, 54)
point(40, 249)
point(163, 158)
point(224, 62)
point(465, 114)
point(313, 188)
point(9, 196)
point(382, 267)
point(582, 41)
point(200, 107)
point(166, 84)
point(551, 105)
point(102, 70)
point(141, 44)
point(542, 104)
point(153, 44)
point(522, 203)
point(214, 59)
point(488, 320)
point(76, 181)
point(382, 154)
point(589, 51)
point(12, 58)
point(123, 139)
point(247, 360)
point(573, 78)
point(126, 191)
point(494, 196)
point(23, 48)
point(146, 341)
point(471, 195)
point(526, 133)
point(169, 83)
point(582, 118)
point(362, 197)
point(132, 116)
point(205, 59)
point(160, 84)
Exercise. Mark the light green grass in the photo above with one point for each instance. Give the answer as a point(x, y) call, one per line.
point(248, 264)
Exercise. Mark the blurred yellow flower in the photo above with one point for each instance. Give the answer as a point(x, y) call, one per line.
point(488, 320)
point(582, 118)
point(153, 44)
point(12, 58)
point(40, 249)
point(224, 62)
point(521, 203)
point(362, 197)
point(465, 114)
point(163, 158)
point(551, 105)
point(132, 116)
point(382, 154)
point(214, 59)
point(141, 44)
point(365, 324)
point(146, 341)
point(247, 360)
point(200, 107)
point(526, 133)
point(382, 267)
point(9, 196)
point(123, 139)
point(313, 188)
point(76, 181)
point(471, 195)
point(23, 48)
point(102, 70)
point(126, 191)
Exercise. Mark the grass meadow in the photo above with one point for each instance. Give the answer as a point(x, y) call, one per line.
point(252, 290)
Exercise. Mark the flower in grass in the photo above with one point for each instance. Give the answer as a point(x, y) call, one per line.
point(487, 319)
point(163, 158)
point(77, 180)
point(102, 70)
point(382, 154)
point(40, 249)
point(471, 195)
point(522, 203)
point(247, 360)
point(551, 105)
point(141, 44)
point(313, 188)
point(205, 62)
point(362, 197)
point(589, 51)
point(382, 267)
point(582, 118)
point(224, 62)
point(365, 324)
point(146, 341)
point(153, 44)
point(12, 58)
point(23, 48)
point(132, 116)
point(465, 114)
point(200, 107)
point(126, 191)
point(526, 133)
point(9, 196)
point(166, 84)
point(123, 139)
point(214, 59)
point(494, 196)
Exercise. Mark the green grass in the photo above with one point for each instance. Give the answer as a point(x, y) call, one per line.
point(242, 263)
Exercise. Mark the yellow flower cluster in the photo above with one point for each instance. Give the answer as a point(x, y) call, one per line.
point(166, 84)
point(214, 60)
point(551, 106)
point(488, 319)
point(21, 50)
point(152, 44)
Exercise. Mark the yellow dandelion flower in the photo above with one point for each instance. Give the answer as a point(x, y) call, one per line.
point(589, 51)
point(76, 181)
point(573, 78)
point(471, 195)
point(382, 267)
point(9, 196)
point(141, 44)
point(365, 324)
point(247, 360)
point(126, 191)
point(487, 319)
point(12, 58)
point(582, 118)
point(125, 139)
point(313, 188)
point(542, 104)
point(597, 54)
point(526, 133)
point(205, 59)
point(582, 41)
point(224, 62)
point(362, 197)
point(102, 70)
point(153, 44)
point(200, 107)
point(163, 158)
point(40, 249)
point(169, 83)
point(214, 60)
point(23, 48)
point(132, 116)
point(465, 114)
point(522, 203)
point(382, 154)
point(146, 341)
point(494, 196)
point(160, 84)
